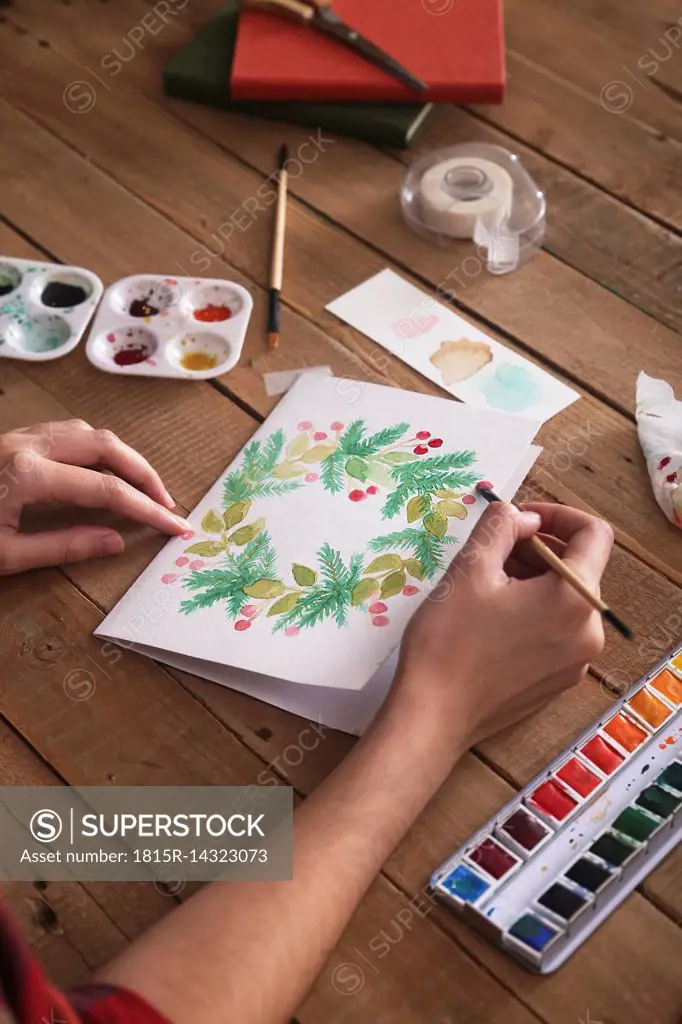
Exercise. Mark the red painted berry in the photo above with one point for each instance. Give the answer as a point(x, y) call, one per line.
point(435, 442)
point(336, 425)
point(310, 478)
point(380, 620)
point(357, 495)
point(372, 489)
point(423, 434)
point(485, 483)
point(378, 608)
point(664, 462)
point(169, 577)
point(188, 535)
point(248, 611)
point(292, 630)
point(319, 435)
point(181, 561)
point(304, 425)
point(242, 624)
point(197, 564)
point(671, 478)
point(420, 450)
point(409, 590)
point(468, 499)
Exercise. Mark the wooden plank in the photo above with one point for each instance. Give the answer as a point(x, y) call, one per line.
point(72, 926)
point(338, 263)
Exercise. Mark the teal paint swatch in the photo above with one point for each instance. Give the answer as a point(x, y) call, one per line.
point(512, 388)
point(636, 824)
point(656, 800)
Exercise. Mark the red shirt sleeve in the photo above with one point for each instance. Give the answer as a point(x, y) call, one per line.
point(26, 996)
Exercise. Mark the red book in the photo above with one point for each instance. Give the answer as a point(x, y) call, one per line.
point(457, 46)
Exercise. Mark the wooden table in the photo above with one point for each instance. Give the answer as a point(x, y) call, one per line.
point(139, 183)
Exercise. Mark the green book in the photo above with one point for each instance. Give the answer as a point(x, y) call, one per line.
point(201, 73)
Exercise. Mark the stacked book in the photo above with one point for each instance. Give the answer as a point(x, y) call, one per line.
point(261, 64)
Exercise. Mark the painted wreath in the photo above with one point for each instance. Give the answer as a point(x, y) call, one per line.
point(426, 487)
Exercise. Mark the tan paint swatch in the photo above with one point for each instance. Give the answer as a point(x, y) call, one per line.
point(459, 360)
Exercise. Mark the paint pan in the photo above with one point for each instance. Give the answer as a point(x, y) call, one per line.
point(564, 902)
point(155, 326)
point(626, 732)
point(523, 832)
point(602, 754)
point(580, 780)
point(552, 802)
point(590, 875)
point(668, 686)
point(492, 858)
point(649, 708)
point(44, 308)
point(552, 864)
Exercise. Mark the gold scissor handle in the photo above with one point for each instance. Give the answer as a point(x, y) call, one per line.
point(294, 9)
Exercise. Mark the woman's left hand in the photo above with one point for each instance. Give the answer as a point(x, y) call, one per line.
point(47, 463)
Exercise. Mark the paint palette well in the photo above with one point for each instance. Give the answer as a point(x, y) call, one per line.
point(154, 326)
point(44, 308)
point(551, 866)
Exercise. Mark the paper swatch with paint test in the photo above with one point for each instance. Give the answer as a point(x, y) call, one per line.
point(315, 547)
point(449, 351)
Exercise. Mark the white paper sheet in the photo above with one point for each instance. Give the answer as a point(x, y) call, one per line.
point(299, 666)
point(450, 351)
point(349, 711)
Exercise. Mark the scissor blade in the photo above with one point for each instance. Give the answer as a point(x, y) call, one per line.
point(330, 23)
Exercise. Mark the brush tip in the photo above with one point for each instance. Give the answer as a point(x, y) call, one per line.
point(283, 155)
point(273, 339)
point(618, 624)
point(486, 492)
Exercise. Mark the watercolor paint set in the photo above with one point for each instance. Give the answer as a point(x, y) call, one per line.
point(541, 875)
point(44, 308)
point(155, 326)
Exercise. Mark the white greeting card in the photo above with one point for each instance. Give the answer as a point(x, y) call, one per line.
point(450, 351)
point(315, 547)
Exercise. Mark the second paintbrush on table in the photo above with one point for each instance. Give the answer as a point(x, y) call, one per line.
point(560, 567)
point(277, 264)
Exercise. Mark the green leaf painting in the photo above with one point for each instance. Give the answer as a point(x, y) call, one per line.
point(425, 488)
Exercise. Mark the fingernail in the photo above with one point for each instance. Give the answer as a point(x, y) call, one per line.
point(170, 500)
point(111, 544)
point(531, 518)
point(182, 524)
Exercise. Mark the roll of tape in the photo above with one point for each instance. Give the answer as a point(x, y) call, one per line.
point(458, 192)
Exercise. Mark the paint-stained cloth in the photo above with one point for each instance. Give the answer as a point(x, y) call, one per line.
point(26, 996)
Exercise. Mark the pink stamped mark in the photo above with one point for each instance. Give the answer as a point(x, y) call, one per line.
point(414, 326)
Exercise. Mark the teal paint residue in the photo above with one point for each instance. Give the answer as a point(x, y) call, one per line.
point(512, 388)
point(44, 336)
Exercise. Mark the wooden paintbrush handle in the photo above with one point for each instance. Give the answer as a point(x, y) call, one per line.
point(562, 569)
point(293, 9)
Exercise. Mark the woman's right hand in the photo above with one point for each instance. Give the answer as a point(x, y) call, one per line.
point(502, 634)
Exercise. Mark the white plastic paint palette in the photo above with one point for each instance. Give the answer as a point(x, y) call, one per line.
point(542, 874)
point(155, 326)
point(44, 308)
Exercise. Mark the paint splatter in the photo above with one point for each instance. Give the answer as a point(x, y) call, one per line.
point(198, 361)
point(512, 388)
point(212, 314)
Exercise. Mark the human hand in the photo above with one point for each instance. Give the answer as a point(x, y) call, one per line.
point(44, 463)
point(502, 634)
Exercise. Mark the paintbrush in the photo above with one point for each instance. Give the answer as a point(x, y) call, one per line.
point(554, 562)
point(277, 265)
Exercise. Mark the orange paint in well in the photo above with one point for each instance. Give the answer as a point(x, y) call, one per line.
point(669, 685)
point(624, 731)
point(198, 361)
point(650, 708)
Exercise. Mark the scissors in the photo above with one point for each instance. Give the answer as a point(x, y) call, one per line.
point(318, 14)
